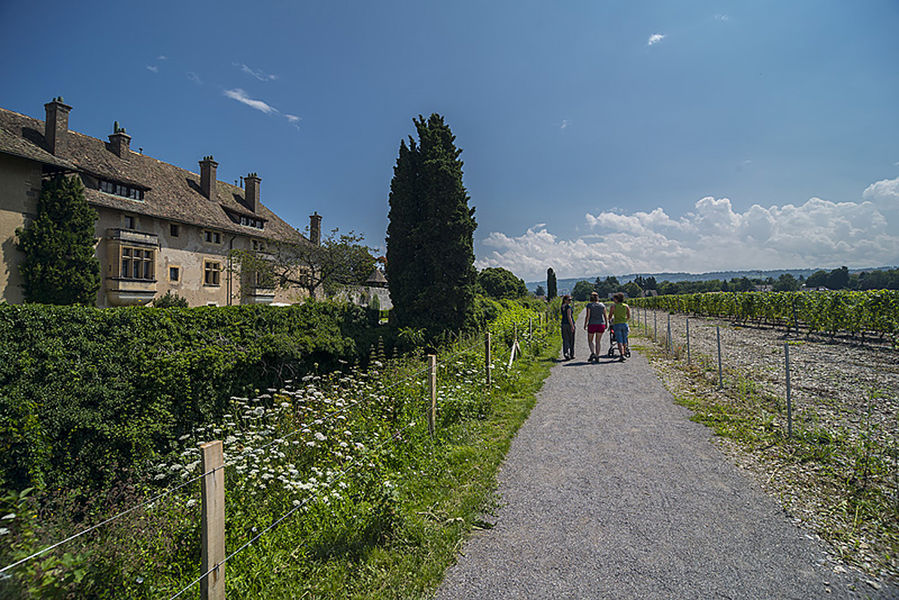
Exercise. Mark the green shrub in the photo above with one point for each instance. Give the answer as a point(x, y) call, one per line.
point(170, 300)
point(87, 394)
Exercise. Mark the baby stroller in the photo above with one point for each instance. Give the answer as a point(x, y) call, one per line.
point(613, 345)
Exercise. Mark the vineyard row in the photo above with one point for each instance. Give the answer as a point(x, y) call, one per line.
point(852, 313)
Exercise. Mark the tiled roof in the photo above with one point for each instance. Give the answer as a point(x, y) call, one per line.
point(170, 193)
point(14, 143)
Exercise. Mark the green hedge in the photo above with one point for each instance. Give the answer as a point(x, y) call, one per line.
point(87, 394)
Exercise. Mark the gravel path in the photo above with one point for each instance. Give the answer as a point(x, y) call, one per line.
point(609, 491)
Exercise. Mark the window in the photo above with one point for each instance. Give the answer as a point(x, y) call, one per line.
point(129, 222)
point(119, 189)
point(258, 246)
point(250, 222)
point(174, 230)
point(137, 263)
point(212, 237)
point(212, 273)
point(174, 273)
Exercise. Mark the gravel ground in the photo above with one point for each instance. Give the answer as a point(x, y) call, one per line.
point(610, 491)
point(833, 385)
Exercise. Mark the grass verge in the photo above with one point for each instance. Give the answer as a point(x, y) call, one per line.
point(442, 492)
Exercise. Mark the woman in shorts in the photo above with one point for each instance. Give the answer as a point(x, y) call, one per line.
point(595, 323)
point(567, 328)
point(619, 315)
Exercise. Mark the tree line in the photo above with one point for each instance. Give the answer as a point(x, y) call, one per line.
point(836, 279)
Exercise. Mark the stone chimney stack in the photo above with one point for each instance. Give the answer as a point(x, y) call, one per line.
point(56, 126)
point(315, 228)
point(251, 191)
point(120, 142)
point(207, 176)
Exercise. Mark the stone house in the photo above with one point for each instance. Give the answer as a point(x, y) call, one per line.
point(160, 228)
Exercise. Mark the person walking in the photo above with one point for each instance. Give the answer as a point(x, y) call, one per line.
point(567, 328)
point(595, 323)
point(619, 315)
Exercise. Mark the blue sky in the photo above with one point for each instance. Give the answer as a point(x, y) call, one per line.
point(598, 137)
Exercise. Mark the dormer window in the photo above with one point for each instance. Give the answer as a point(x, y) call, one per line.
point(250, 222)
point(120, 189)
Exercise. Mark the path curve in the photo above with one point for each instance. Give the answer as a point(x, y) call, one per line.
point(610, 491)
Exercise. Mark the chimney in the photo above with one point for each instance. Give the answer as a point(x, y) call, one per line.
point(315, 228)
point(120, 142)
point(56, 125)
point(207, 176)
point(251, 191)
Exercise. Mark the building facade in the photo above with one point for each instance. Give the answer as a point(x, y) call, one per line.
point(159, 228)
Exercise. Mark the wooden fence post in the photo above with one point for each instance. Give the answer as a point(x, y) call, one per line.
point(688, 340)
point(720, 377)
point(432, 385)
point(789, 399)
point(212, 587)
point(487, 358)
point(668, 340)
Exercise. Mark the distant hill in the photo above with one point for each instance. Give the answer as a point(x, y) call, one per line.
point(566, 285)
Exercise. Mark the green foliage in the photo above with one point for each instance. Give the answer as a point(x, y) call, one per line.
point(88, 394)
point(430, 255)
point(606, 287)
point(501, 283)
point(551, 285)
point(170, 300)
point(854, 313)
point(540, 291)
point(581, 291)
point(377, 507)
point(339, 261)
point(59, 265)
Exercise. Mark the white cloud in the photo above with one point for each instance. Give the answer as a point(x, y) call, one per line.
point(241, 96)
point(153, 68)
point(723, 18)
point(162, 57)
point(712, 237)
point(655, 39)
point(194, 77)
point(258, 74)
point(293, 118)
point(564, 124)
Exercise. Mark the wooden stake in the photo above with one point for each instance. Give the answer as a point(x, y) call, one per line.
point(789, 400)
point(212, 587)
point(432, 384)
point(720, 377)
point(487, 358)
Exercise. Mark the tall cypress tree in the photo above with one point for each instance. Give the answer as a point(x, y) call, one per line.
point(430, 247)
point(551, 291)
point(60, 266)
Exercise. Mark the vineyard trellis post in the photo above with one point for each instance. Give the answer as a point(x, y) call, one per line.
point(432, 389)
point(668, 339)
point(789, 398)
point(655, 326)
point(487, 358)
point(212, 587)
point(688, 340)
point(720, 377)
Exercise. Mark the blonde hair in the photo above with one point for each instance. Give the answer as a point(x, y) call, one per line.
point(594, 296)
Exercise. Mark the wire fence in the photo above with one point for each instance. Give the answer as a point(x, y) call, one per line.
point(413, 383)
point(829, 403)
